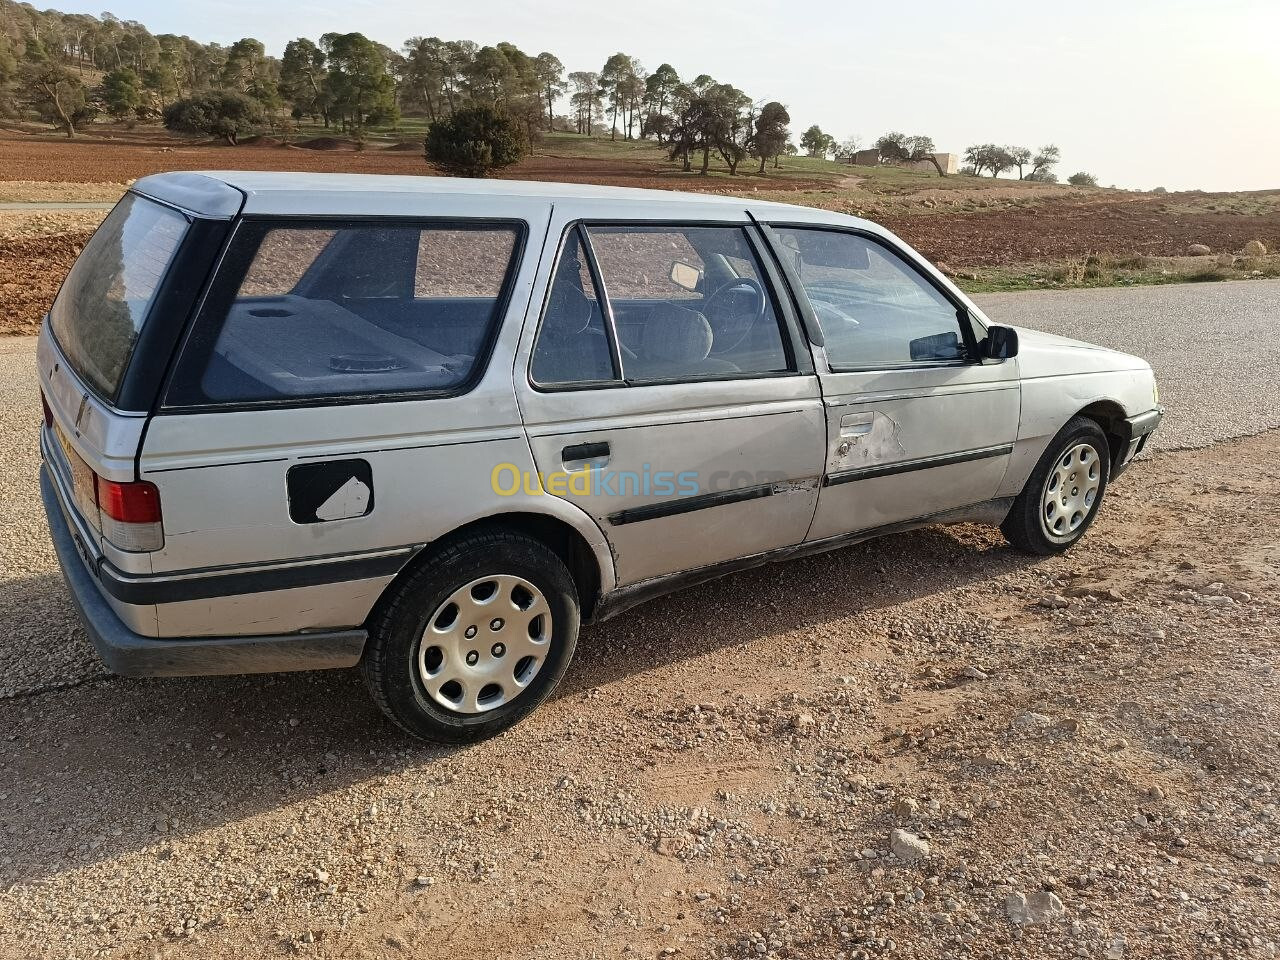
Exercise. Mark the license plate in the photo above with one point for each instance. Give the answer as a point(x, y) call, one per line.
point(82, 492)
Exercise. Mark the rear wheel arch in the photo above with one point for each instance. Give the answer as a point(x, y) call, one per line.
point(558, 535)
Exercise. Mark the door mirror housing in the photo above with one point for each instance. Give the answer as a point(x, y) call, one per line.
point(1001, 343)
point(686, 275)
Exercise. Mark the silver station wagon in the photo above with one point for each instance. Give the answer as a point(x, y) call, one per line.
point(430, 426)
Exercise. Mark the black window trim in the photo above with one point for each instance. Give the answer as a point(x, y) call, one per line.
point(798, 357)
point(228, 271)
point(964, 317)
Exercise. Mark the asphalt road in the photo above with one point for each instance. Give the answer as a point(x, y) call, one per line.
point(1213, 346)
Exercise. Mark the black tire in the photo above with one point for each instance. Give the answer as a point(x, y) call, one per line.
point(391, 666)
point(1025, 527)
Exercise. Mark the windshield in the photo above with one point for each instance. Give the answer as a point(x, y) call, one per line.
point(105, 298)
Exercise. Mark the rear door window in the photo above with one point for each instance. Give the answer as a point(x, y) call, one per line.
point(573, 345)
point(105, 299)
point(313, 311)
point(675, 302)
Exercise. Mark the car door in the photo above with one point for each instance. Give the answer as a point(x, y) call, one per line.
point(917, 424)
point(667, 392)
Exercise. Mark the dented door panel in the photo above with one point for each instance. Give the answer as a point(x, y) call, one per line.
point(909, 443)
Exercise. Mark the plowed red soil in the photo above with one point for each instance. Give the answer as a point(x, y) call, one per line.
point(31, 270)
point(1070, 227)
point(98, 161)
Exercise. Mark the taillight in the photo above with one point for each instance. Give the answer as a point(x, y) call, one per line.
point(130, 514)
point(48, 413)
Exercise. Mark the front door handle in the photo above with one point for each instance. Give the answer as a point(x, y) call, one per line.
point(597, 450)
point(856, 424)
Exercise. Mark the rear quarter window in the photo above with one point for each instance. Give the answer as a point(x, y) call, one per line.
point(106, 297)
point(305, 311)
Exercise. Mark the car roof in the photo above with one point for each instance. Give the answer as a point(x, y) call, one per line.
point(217, 192)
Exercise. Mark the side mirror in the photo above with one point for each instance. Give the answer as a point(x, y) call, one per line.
point(686, 276)
point(940, 346)
point(1001, 343)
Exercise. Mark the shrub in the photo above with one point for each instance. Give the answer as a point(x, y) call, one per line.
point(1082, 179)
point(217, 113)
point(474, 142)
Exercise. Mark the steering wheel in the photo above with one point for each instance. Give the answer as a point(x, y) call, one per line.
point(732, 311)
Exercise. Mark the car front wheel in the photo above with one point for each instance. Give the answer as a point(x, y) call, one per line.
point(1062, 496)
point(473, 639)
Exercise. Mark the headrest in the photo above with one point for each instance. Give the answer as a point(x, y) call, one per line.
point(569, 309)
point(675, 335)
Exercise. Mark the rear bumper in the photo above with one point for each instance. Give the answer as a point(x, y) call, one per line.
point(133, 655)
point(1135, 432)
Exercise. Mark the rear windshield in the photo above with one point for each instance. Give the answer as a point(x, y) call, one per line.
point(106, 296)
point(314, 310)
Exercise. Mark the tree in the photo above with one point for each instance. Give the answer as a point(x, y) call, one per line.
point(550, 73)
point(728, 124)
point(988, 156)
point(161, 85)
point(250, 71)
point(585, 100)
point(361, 89)
point(219, 113)
point(621, 84)
point(848, 149)
point(772, 132)
point(682, 136)
point(1019, 157)
point(54, 92)
point(659, 92)
point(1082, 179)
point(892, 147)
point(816, 143)
point(920, 149)
point(121, 92)
point(474, 141)
point(1043, 163)
point(302, 76)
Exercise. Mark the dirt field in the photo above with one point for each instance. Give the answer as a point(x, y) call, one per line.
point(31, 271)
point(1078, 226)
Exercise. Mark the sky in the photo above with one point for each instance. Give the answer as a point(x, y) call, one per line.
point(1182, 94)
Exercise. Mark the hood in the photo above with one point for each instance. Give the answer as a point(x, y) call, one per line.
point(1046, 354)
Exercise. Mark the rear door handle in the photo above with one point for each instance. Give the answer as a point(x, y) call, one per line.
point(597, 450)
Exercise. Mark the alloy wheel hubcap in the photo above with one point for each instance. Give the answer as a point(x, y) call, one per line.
point(484, 645)
point(1070, 492)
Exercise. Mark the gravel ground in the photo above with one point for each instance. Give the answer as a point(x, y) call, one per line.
point(924, 747)
point(1215, 347)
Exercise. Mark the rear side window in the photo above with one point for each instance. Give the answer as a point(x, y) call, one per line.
point(104, 301)
point(308, 311)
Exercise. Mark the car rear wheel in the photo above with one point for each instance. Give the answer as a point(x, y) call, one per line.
point(473, 639)
point(1063, 494)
